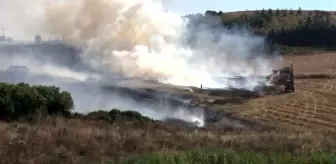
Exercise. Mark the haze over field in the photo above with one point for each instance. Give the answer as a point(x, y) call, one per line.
point(140, 39)
point(135, 38)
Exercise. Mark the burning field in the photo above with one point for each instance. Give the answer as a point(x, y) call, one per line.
point(124, 43)
point(131, 59)
point(205, 86)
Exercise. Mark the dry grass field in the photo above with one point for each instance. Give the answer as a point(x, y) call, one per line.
point(299, 121)
point(59, 140)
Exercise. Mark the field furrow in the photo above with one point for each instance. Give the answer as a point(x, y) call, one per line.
point(319, 109)
point(277, 120)
point(312, 106)
point(301, 113)
point(294, 118)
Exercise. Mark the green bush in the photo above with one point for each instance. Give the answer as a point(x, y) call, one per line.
point(116, 115)
point(98, 115)
point(230, 157)
point(22, 101)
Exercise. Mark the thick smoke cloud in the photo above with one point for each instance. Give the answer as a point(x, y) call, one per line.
point(132, 39)
point(140, 39)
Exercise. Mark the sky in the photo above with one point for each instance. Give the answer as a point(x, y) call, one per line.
point(200, 6)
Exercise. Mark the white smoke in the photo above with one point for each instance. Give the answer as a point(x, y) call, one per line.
point(136, 38)
point(89, 95)
point(141, 39)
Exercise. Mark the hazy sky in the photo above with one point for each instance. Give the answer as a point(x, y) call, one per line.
point(200, 6)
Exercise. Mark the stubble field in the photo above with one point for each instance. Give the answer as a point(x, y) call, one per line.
point(312, 106)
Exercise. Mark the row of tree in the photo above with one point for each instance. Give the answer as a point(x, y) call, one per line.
point(315, 29)
point(278, 12)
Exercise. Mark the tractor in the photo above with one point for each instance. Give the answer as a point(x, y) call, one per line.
point(283, 76)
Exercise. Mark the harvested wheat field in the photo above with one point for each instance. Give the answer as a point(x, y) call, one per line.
point(311, 106)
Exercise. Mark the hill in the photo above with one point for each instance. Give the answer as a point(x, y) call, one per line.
point(269, 19)
point(285, 29)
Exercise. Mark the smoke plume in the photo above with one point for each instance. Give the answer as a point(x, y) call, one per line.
point(131, 39)
point(137, 38)
point(89, 95)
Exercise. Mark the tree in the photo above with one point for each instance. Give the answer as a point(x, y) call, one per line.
point(299, 11)
point(270, 12)
point(210, 12)
point(262, 11)
point(22, 101)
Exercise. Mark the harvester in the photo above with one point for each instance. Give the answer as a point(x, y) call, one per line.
point(283, 76)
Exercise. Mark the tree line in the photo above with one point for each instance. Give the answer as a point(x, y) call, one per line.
point(308, 29)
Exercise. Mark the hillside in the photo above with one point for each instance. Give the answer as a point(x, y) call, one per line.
point(285, 29)
point(268, 20)
point(282, 18)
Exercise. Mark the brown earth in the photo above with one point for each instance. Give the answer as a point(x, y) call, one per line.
point(317, 63)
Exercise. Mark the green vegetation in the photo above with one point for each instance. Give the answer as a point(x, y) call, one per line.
point(28, 102)
point(25, 101)
point(286, 29)
point(120, 136)
point(230, 157)
point(116, 115)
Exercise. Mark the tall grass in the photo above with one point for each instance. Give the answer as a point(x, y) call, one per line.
point(229, 157)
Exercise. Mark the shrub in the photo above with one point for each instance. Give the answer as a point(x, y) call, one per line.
point(116, 115)
point(98, 115)
point(22, 101)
